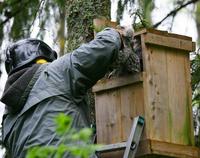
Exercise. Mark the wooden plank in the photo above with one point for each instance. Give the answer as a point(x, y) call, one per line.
point(150, 30)
point(157, 149)
point(179, 101)
point(174, 150)
point(126, 95)
point(146, 67)
point(101, 23)
point(132, 101)
point(169, 42)
point(158, 94)
point(162, 33)
point(115, 111)
point(179, 36)
point(157, 126)
point(106, 84)
point(152, 148)
point(108, 120)
point(189, 95)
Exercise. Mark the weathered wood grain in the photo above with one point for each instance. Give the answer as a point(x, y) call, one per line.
point(169, 42)
point(106, 84)
point(115, 111)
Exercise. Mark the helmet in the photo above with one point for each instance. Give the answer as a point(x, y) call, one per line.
point(25, 52)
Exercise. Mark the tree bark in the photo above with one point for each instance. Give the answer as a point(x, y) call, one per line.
point(80, 15)
point(197, 16)
point(61, 31)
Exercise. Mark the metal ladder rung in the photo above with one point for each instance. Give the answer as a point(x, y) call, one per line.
point(132, 143)
point(112, 147)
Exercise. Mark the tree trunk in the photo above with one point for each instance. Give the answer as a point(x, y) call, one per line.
point(80, 15)
point(147, 6)
point(198, 21)
point(61, 31)
point(197, 119)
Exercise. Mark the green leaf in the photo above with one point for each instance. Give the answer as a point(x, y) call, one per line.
point(63, 123)
point(60, 151)
point(83, 135)
point(40, 152)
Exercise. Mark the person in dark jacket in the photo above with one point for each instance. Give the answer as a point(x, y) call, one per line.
point(40, 86)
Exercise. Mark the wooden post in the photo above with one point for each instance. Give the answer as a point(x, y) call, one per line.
point(101, 23)
point(161, 93)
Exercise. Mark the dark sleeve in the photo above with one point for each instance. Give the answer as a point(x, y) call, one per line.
point(76, 72)
point(90, 62)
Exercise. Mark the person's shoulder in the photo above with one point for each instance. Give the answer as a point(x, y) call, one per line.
point(108, 31)
point(60, 63)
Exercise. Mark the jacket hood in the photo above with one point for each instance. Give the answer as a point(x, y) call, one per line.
point(17, 89)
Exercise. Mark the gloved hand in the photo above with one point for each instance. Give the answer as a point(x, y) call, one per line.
point(127, 61)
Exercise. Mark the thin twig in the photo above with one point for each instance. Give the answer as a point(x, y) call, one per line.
point(173, 12)
point(39, 6)
point(38, 12)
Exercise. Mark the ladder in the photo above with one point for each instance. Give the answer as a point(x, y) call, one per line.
point(131, 145)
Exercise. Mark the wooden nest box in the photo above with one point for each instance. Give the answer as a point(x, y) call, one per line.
point(161, 93)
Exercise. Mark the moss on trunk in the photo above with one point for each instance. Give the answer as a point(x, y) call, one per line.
point(80, 15)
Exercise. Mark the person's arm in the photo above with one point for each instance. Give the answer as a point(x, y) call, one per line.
point(90, 62)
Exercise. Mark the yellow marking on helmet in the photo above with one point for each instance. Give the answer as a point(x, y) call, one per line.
point(41, 61)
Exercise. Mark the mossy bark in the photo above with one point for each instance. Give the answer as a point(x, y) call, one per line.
point(197, 13)
point(80, 15)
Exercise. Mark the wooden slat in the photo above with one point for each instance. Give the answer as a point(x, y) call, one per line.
point(115, 111)
point(179, 101)
point(174, 150)
point(189, 95)
point(156, 149)
point(132, 102)
point(146, 68)
point(101, 23)
point(149, 30)
point(170, 42)
point(127, 103)
point(158, 94)
point(162, 33)
point(106, 84)
point(108, 120)
point(149, 147)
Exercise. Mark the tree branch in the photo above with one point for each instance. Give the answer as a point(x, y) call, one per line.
point(173, 12)
point(37, 12)
point(13, 14)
